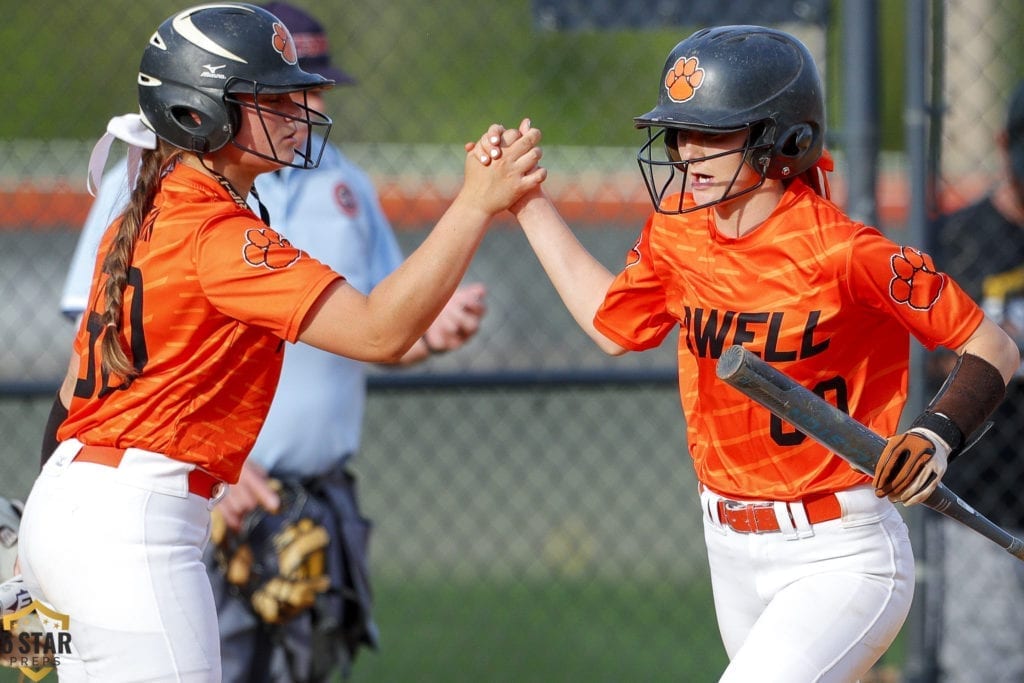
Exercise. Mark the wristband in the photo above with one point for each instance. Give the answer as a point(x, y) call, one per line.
point(942, 427)
point(971, 392)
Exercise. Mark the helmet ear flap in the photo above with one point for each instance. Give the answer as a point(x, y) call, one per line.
point(191, 124)
point(192, 120)
point(794, 151)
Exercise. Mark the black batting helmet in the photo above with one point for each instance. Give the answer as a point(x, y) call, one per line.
point(733, 78)
point(200, 59)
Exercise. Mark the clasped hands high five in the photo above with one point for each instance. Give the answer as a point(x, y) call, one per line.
point(490, 146)
point(515, 154)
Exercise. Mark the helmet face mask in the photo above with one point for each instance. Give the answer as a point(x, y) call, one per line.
point(300, 157)
point(666, 173)
point(729, 79)
point(199, 62)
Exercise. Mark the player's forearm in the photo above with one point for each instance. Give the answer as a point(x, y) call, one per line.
point(395, 314)
point(413, 296)
point(579, 278)
point(990, 343)
point(58, 413)
point(974, 388)
point(456, 324)
point(417, 353)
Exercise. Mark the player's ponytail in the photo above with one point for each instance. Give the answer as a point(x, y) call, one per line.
point(118, 260)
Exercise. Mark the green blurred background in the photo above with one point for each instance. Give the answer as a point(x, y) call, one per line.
point(535, 510)
point(429, 71)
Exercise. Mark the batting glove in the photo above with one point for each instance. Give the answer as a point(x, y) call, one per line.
point(911, 466)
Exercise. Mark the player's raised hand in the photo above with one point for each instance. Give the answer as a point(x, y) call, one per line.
point(489, 146)
point(511, 173)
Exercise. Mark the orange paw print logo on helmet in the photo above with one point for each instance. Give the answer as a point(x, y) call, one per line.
point(265, 247)
point(284, 44)
point(915, 281)
point(684, 79)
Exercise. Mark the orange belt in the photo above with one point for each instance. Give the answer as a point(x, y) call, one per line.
point(755, 518)
point(199, 482)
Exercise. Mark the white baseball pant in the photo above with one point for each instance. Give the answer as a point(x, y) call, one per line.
point(119, 550)
point(817, 603)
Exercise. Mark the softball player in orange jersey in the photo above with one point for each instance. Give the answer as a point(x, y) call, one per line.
point(179, 351)
point(811, 563)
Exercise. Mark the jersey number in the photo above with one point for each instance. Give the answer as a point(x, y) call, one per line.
point(829, 388)
point(86, 387)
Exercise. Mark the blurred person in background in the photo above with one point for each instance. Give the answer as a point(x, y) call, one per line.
point(982, 246)
point(313, 429)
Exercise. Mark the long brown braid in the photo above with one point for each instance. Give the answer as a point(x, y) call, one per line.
point(118, 260)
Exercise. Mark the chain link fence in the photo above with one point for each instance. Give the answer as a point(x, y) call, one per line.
point(536, 513)
point(980, 67)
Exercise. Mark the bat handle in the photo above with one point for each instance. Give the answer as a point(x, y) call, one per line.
point(1016, 548)
point(950, 504)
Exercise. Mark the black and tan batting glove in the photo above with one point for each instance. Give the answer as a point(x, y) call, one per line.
point(911, 466)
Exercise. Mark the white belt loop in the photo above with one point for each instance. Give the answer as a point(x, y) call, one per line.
point(709, 502)
point(63, 455)
point(786, 528)
point(795, 515)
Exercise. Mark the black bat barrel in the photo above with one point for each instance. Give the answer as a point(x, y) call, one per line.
point(838, 432)
point(801, 407)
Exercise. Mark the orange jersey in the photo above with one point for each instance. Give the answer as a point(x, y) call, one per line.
point(212, 295)
point(828, 301)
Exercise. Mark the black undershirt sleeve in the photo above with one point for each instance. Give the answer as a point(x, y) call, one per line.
point(58, 413)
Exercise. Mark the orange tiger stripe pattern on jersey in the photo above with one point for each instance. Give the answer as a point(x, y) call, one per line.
point(788, 292)
point(213, 293)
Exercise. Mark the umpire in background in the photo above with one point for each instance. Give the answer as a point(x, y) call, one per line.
point(281, 620)
point(982, 247)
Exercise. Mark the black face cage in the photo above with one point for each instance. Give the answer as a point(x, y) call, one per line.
point(314, 120)
point(666, 175)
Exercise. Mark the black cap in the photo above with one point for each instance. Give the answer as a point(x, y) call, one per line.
point(310, 42)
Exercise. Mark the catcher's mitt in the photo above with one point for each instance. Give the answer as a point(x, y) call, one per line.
point(278, 561)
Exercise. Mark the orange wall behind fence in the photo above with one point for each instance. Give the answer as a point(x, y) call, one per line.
point(602, 203)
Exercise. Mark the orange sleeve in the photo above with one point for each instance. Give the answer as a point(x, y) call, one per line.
point(253, 274)
point(634, 314)
point(903, 282)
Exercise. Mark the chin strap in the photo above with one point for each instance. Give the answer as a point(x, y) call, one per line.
point(264, 212)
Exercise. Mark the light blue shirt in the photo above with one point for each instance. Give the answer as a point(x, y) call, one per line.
point(332, 212)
